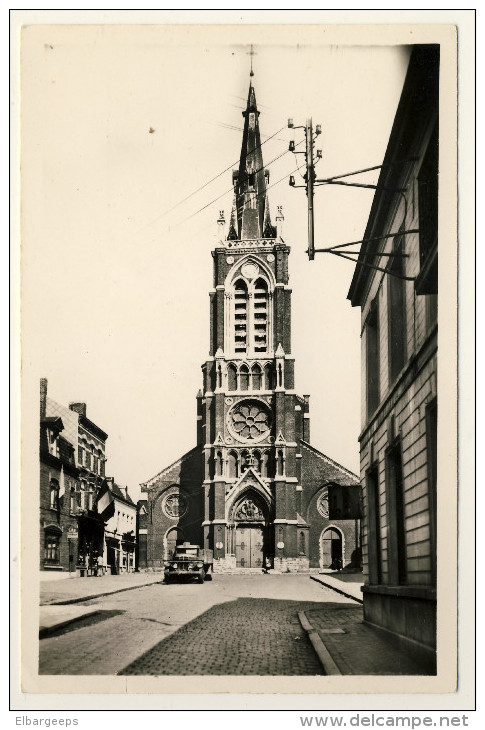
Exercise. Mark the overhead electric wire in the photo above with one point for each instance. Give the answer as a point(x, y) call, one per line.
point(226, 192)
point(220, 173)
point(155, 220)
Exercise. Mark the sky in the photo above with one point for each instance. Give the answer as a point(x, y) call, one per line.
point(120, 126)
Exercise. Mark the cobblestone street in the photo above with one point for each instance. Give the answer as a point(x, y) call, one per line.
point(238, 624)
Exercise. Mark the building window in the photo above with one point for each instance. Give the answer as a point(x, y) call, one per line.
point(240, 316)
point(427, 281)
point(88, 459)
point(232, 465)
point(268, 377)
point(372, 357)
point(260, 316)
point(432, 463)
point(51, 548)
point(302, 543)
point(397, 310)
point(231, 377)
point(72, 500)
point(82, 496)
point(396, 516)
point(80, 454)
point(244, 377)
point(101, 466)
point(256, 377)
point(54, 494)
point(374, 526)
point(431, 311)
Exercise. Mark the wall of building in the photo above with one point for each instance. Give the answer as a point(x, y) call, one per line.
point(57, 521)
point(180, 484)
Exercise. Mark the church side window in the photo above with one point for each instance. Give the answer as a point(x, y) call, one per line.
point(240, 316)
point(260, 316)
point(232, 464)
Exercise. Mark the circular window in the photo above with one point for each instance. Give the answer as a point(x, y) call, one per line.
point(249, 421)
point(322, 505)
point(175, 505)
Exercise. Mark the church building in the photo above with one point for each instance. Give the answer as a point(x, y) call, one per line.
point(253, 489)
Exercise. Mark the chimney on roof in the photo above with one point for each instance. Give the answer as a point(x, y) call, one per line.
point(43, 396)
point(78, 408)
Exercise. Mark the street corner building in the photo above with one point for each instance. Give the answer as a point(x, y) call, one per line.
point(87, 522)
point(396, 285)
point(253, 489)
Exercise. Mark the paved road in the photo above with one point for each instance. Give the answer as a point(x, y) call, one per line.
point(236, 624)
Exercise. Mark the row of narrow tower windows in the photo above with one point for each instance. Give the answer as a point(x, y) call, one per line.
point(256, 377)
point(265, 462)
point(250, 317)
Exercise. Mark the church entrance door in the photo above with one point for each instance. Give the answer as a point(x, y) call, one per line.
point(331, 549)
point(249, 546)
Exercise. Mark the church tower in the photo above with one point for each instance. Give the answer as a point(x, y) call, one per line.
point(253, 489)
point(250, 416)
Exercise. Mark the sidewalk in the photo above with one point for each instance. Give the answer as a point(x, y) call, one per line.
point(348, 584)
point(346, 645)
point(75, 590)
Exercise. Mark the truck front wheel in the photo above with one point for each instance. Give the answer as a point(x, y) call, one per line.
point(200, 578)
point(208, 575)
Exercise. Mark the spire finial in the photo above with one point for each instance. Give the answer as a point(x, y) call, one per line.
point(251, 53)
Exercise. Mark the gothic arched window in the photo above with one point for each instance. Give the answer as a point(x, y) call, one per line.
point(232, 464)
point(260, 316)
point(231, 377)
point(302, 543)
point(256, 377)
point(280, 463)
point(244, 377)
point(268, 376)
point(258, 461)
point(240, 316)
point(219, 464)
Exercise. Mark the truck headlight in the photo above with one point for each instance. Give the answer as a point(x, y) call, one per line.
point(200, 565)
point(174, 566)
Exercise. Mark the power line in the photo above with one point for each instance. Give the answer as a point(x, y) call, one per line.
point(220, 173)
point(226, 192)
point(155, 220)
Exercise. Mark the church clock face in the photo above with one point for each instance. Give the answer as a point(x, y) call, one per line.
point(249, 420)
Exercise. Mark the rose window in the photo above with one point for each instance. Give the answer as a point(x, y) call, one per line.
point(175, 505)
point(322, 505)
point(250, 421)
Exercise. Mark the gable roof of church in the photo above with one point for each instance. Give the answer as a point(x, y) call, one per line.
point(353, 477)
point(188, 454)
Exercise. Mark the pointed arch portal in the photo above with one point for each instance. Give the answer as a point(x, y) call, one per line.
point(250, 517)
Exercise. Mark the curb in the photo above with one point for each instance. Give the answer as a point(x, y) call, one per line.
point(337, 590)
point(48, 630)
point(328, 664)
point(69, 601)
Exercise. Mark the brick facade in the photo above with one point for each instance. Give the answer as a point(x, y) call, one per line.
point(252, 489)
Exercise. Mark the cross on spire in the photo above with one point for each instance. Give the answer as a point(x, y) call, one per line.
point(251, 53)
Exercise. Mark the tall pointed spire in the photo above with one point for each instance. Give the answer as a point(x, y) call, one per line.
point(250, 179)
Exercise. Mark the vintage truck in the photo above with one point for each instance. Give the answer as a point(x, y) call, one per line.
point(189, 561)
